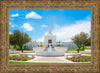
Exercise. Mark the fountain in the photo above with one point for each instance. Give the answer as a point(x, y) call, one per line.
point(49, 48)
point(50, 52)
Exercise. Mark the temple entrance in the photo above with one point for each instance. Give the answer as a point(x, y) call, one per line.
point(49, 41)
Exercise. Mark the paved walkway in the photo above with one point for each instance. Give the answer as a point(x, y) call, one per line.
point(60, 59)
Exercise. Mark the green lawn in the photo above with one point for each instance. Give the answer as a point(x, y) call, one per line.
point(12, 62)
point(75, 49)
point(25, 50)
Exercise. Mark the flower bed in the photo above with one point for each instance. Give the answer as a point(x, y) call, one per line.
point(80, 59)
point(18, 58)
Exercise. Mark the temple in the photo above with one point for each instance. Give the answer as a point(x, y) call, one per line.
point(50, 39)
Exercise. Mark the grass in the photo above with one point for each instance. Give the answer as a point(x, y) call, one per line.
point(12, 62)
point(25, 49)
point(87, 48)
point(75, 49)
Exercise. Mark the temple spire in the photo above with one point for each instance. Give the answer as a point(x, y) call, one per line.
point(49, 24)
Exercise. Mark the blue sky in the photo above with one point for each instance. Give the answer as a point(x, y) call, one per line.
point(65, 23)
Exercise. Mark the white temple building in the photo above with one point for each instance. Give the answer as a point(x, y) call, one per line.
point(49, 39)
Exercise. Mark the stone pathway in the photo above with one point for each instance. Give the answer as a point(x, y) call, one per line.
point(60, 59)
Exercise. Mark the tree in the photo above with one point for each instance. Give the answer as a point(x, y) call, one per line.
point(84, 37)
point(19, 38)
point(80, 40)
point(33, 41)
point(88, 42)
point(41, 44)
point(59, 43)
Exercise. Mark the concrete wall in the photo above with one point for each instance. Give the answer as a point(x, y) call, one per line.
point(31, 45)
point(63, 49)
point(50, 53)
point(38, 49)
point(69, 45)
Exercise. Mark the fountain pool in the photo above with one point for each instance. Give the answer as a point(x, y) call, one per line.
point(49, 52)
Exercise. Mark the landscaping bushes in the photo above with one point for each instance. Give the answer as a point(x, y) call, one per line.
point(18, 58)
point(16, 47)
point(80, 59)
point(75, 49)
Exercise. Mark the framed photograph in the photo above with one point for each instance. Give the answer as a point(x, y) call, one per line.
point(49, 36)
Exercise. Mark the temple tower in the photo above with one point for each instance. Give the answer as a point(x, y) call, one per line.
point(49, 39)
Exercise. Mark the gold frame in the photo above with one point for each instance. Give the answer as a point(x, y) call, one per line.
point(28, 4)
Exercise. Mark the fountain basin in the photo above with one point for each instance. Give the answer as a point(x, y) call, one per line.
point(53, 53)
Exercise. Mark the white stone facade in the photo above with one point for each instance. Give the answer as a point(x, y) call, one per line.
point(49, 39)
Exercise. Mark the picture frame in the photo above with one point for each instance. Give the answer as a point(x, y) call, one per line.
point(94, 5)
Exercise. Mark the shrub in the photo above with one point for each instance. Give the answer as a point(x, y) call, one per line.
point(80, 59)
point(16, 47)
point(75, 49)
point(18, 58)
point(25, 47)
point(41, 45)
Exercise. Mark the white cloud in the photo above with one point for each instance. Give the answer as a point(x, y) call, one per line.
point(15, 15)
point(65, 33)
point(16, 25)
point(40, 39)
point(44, 26)
point(12, 26)
point(10, 23)
point(27, 26)
point(33, 15)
